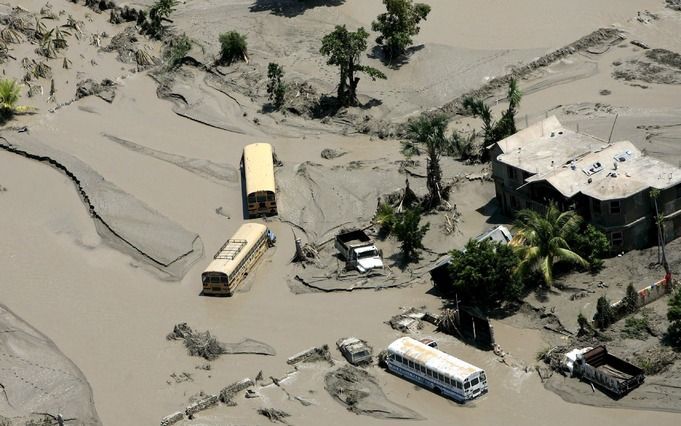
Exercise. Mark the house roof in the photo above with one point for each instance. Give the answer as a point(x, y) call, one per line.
point(529, 134)
point(573, 162)
point(617, 171)
point(545, 153)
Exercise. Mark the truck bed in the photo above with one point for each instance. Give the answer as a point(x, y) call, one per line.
point(349, 237)
point(614, 374)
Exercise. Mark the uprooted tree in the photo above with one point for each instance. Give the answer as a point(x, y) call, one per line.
point(398, 25)
point(344, 49)
point(495, 131)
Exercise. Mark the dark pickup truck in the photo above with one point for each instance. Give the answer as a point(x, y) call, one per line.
point(612, 374)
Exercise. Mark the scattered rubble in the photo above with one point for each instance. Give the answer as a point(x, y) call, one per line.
point(318, 353)
point(172, 419)
point(274, 415)
point(200, 405)
point(203, 344)
point(329, 153)
point(105, 90)
point(228, 392)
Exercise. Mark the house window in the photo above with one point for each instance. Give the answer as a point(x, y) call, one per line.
point(615, 207)
point(512, 173)
point(616, 239)
point(596, 206)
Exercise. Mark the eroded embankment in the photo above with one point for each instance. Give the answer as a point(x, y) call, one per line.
point(122, 220)
point(36, 377)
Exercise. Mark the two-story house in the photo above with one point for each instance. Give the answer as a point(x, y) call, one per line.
point(609, 184)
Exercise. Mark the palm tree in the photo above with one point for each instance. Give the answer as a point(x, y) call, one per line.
point(9, 96)
point(429, 133)
point(541, 240)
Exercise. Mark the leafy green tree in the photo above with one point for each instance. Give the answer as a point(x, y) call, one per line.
point(482, 274)
point(233, 47)
point(604, 316)
point(495, 131)
point(176, 50)
point(428, 133)
point(344, 49)
point(276, 89)
point(398, 25)
point(385, 218)
point(630, 300)
point(9, 96)
point(158, 15)
point(541, 240)
point(674, 316)
point(410, 234)
point(592, 244)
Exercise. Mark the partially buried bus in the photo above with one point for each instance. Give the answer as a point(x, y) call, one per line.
point(258, 166)
point(235, 259)
point(435, 370)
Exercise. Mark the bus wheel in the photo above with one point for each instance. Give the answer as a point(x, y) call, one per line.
point(437, 390)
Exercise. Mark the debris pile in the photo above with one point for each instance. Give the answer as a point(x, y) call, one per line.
point(274, 415)
point(203, 344)
point(318, 353)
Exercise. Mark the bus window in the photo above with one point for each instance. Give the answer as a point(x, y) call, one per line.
point(422, 368)
point(410, 364)
point(447, 380)
point(458, 384)
point(429, 372)
point(440, 377)
point(466, 385)
point(475, 381)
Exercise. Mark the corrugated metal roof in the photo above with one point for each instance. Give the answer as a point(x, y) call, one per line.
point(432, 358)
point(258, 168)
point(250, 232)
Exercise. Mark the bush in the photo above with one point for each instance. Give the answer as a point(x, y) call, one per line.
point(385, 218)
point(482, 274)
point(276, 89)
point(233, 47)
point(636, 328)
point(674, 315)
point(176, 50)
point(592, 244)
point(604, 316)
point(410, 234)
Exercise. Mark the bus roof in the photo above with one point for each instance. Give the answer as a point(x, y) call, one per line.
point(258, 168)
point(233, 251)
point(432, 358)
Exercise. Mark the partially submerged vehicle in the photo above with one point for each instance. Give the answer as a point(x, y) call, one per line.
point(358, 250)
point(356, 351)
point(435, 370)
point(614, 375)
point(235, 259)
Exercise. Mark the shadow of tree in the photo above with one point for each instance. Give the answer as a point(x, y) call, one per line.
point(291, 8)
point(396, 63)
point(328, 106)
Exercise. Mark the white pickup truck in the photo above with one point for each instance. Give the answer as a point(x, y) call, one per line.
point(358, 250)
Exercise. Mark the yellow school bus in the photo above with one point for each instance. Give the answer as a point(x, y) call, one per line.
point(235, 259)
point(258, 166)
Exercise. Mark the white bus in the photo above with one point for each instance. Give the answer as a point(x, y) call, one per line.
point(435, 370)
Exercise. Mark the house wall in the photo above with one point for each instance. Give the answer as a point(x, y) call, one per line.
point(628, 222)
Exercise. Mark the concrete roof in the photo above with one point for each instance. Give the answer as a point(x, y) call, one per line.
point(544, 153)
point(529, 134)
point(623, 172)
